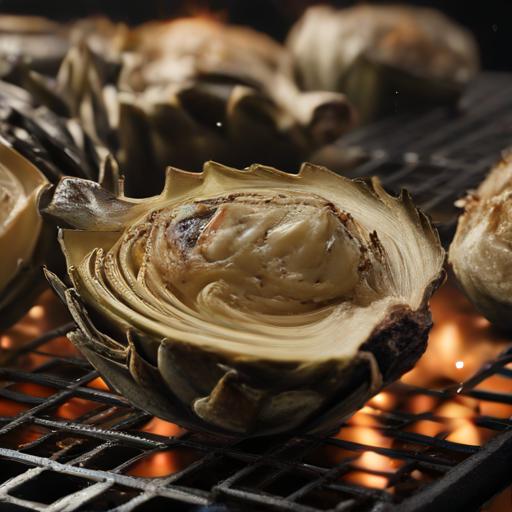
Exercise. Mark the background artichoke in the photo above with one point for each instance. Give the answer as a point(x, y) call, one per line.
point(248, 302)
point(385, 58)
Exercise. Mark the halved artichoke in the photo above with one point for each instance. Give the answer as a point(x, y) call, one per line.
point(40, 42)
point(248, 302)
point(481, 251)
point(383, 57)
point(199, 90)
point(22, 234)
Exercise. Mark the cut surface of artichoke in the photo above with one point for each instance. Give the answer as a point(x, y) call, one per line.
point(481, 251)
point(20, 230)
point(256, 298)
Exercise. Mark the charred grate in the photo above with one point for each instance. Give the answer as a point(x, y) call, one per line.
point(67, 443)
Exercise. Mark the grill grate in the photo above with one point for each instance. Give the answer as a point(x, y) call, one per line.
point(69, 444)
point(440, 154)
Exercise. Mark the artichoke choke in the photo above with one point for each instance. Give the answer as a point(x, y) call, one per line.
point(247, 302)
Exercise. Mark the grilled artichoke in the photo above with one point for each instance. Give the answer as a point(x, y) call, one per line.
point(481, 251)
point(24, 246)
point(36, 147)
point(383, 57)
point(248, 302)
point(198, 91)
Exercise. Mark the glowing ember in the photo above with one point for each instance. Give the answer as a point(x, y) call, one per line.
point(162, 428)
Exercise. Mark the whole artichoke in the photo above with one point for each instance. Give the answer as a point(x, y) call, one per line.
point(383, 57)
point(481, 251)
point(248, 302)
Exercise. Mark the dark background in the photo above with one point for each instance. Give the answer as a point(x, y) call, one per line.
point(490, 20)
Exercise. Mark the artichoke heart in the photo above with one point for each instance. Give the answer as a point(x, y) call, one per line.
point(481, 251)
point(21, 229)
point(248, 302)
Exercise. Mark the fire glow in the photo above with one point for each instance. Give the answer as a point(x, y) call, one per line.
point(460, 343)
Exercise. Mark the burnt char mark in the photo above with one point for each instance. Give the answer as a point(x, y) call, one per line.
point(187, 231)
point(399, 341)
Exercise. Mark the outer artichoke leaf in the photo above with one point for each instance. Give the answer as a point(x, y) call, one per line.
point(100, 210)
point(77, 244)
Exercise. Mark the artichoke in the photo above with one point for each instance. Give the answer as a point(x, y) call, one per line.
point(481, 251)
point(22, 234)
point(247, 302)
point(198, 91)
point(383, 57)
point(36, 147)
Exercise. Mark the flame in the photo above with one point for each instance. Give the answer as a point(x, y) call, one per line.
point(164, 463)
point(460, 342)
point(10, 408)
point(384, 401)
point(48, 313)
point(75, 407)
point(98, 383)
point(368, 461)
point(162, 428)
point(156, 465)
point(31, 389)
